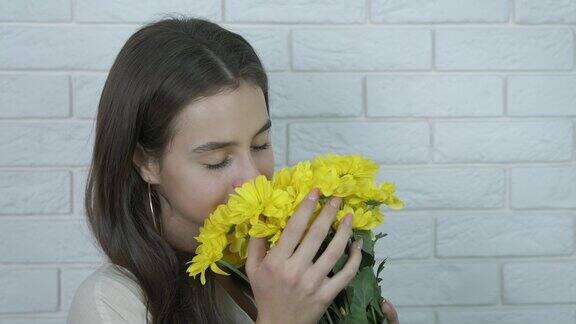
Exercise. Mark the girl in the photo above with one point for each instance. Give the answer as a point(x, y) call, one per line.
point(183, 120)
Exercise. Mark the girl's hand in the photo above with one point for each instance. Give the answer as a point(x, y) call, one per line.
point(288, 286)
point(390, 312)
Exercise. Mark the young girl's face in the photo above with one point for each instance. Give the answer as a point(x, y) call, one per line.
point(221, 142)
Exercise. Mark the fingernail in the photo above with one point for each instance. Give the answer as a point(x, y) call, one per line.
point(360, 242)
point(335, 202)
point(314, 194)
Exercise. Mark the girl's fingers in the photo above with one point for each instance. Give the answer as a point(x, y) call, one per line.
point(256, 251)
point(332, 286)
point(305, 253)
point(296, 226)
point(334, 251)
point(390, 312)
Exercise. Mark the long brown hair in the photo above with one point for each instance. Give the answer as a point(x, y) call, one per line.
point(163, 67)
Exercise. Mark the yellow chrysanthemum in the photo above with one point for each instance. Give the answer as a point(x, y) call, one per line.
point(262, 208)
point(206, 256)
point(255, 198)
point(363, 218)
point(296, 182)
point(233, 258)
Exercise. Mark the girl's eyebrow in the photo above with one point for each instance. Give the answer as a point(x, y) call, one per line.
point(211, 146)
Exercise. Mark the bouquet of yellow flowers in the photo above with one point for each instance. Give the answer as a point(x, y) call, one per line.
point(261, 208)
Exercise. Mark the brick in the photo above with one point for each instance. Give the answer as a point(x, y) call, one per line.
point(543, 187)
point(36, 319)
point(441, 284)
point(270, 44)
point(436, 96)
point(86, 92)
point(303, 11)
point(334, 96)
point(41, 192)
point(79, 177)
point(28, 290)
point(409, 237)
point(407, 316)
point(35, 11)
point(393, 146)
point(47, 241)
point(504, 49)
point(279, 129)
point(574, 128)
point(439, 11)
point(36, 144)
point(361, 49)
point(545, 11)
point(61, 47)
point(456, 188)
point(144, 11)
point(70, 280)
point(504, 235)
point(515, 141)
point(509, 316)
point(541, 95)
point(34, 96)
point(540, 283)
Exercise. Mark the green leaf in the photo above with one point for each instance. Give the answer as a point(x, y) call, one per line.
point(362, 297)
point(340, 263)
point(368, 243)
point(380, 267)
point(379, 236)
point(365, 289)
point(376, 306)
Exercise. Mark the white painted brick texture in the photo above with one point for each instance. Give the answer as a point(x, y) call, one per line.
point(468, 106)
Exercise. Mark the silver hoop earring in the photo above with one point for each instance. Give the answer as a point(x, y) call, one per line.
point(152, 210)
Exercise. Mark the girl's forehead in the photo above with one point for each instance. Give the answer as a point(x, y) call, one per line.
point(224, 115)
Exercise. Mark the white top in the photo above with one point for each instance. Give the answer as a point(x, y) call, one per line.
point(111, 295)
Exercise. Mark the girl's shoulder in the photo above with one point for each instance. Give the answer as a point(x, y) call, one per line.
point(110, 294)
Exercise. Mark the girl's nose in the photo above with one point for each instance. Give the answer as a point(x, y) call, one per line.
point(249, 172)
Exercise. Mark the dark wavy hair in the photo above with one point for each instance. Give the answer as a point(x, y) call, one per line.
point(163, 67)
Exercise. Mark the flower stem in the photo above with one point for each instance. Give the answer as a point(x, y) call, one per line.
point(334, 307)
point(329, 317)
point(373, 314)
point(347, 304)
point(234, 269)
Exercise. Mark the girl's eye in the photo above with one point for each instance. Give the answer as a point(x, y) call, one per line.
point(219, 165)
point(261, 147)
point(227, 161)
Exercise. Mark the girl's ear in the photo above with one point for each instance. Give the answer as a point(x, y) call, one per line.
point(146, 165)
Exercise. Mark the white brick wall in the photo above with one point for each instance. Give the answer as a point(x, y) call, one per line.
point(469, 106)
